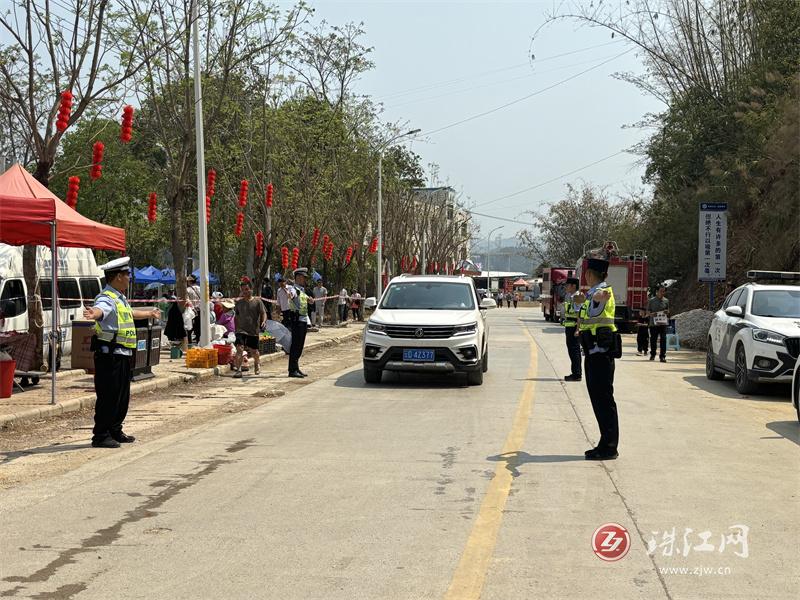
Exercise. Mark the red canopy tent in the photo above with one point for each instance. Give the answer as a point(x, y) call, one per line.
point(30, 214)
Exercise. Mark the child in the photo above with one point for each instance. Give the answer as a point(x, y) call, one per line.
point(642, 336)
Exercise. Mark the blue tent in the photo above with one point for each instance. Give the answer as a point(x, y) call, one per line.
point(168, 276)
point(147, 275)
point(212, 279)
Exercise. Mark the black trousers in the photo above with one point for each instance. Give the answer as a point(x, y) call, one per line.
point(342, 313)
point(574, 350)
point(288, 318)
point(299, 329)
point(196, 327)
point(112, 383)
point(642, 338)
point(655, 332)
point(599, 369)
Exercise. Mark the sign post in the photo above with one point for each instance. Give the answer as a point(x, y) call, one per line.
point(712, 245)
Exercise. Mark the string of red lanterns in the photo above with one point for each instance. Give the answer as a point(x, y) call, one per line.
point(295, 257)
point(315, 238)
point(151, 207)
point(348, 255)
point(97, 158)
point(243, 193)
point(74, 185)
point(211, 180)
point(285, 257)
point(208, 210)
point(259, 243)
point(268, 198)
point(373, 247)
point(239, 224)
point(64, 110)
point(126, 132)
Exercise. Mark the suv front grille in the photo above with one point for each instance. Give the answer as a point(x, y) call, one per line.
point(793, 346)
point(426, 332)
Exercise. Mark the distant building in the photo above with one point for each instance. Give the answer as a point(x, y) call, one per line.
point(443, 201)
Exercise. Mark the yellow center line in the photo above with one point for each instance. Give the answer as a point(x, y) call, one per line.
point(470, 575)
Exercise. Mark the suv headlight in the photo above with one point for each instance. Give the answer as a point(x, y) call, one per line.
point(465, 329)
point(768, 337)
point(374, 327)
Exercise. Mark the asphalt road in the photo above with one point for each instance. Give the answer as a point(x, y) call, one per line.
point(426, 488)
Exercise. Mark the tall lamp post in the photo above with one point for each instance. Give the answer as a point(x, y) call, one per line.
point(379, 287)
point(488, 260)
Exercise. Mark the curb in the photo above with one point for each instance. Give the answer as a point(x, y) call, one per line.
point(191, 375)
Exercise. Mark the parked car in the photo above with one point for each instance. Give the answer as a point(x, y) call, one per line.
point(428, 324)
point(796, 388)
point(755, 336)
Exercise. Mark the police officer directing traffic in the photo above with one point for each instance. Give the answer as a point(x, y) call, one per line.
point(600, 344)
point(570, 323)
point(113, 343)
point(298, 304)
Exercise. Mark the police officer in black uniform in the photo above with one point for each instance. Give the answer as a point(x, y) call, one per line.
point(570, 324)
point(298, 304)
point(114, 343)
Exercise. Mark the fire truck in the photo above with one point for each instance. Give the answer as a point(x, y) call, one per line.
point(627, 276)
point(552, 298)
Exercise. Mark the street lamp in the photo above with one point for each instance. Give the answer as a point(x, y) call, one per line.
point(379, 288)
point(488, 260)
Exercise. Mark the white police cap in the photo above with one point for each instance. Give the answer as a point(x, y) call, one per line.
point(118, 264)
point(301, 271)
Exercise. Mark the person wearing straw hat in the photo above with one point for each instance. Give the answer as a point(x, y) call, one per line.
point(113, 343)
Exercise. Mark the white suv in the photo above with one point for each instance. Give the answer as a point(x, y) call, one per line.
point(755, 336)
point(428, 324)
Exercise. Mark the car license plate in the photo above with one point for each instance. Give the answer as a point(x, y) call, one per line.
point(418, 355)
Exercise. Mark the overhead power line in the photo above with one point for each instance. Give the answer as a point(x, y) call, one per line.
point(501, 218)
point(531, 95)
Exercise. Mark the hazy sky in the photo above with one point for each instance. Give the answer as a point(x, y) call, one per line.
point(437, 63)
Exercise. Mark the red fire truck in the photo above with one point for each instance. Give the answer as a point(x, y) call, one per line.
point(627, 276)
point(552, 298)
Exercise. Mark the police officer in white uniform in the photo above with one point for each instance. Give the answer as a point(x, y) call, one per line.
point(298, 304)
point(114, 343)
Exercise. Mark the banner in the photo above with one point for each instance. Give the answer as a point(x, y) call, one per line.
point(712, 247)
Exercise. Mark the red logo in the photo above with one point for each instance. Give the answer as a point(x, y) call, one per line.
point(611, 542)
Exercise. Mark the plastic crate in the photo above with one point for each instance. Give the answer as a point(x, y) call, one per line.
point(201, 358)
point(267, 345)
point(223, 353)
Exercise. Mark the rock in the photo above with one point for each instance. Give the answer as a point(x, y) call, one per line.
point(692, 328)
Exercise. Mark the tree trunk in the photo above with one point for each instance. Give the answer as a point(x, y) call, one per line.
point(29, 266)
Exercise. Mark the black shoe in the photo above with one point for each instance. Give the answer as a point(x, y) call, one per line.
point(296, 374)
point(123, 438)
point(590, 451)
point(107, 442)
point(652, 357)
point(598, 454)
point(572, 378)
point(663, 359)
point(301, 373)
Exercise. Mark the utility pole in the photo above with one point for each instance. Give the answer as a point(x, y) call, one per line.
point(489, 258)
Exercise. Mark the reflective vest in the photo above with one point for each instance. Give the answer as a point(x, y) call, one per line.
point(126, 330)
point(604, 319)
point(302, 301)
point(570, 315)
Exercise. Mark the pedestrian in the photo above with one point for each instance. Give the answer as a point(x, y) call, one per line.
point(355, 305)
point(508, 299)
point(658, 312)
point(193, 294)
point(249, 318)
point(228, 317)
point(114, 342)
point(642, 337)
point(570, 324)
point(601, 344)
point(500, 299)
point(298, 301)
point(283, 301)
point(267, 295)
point(343, 298)
point(320, 292)
point(216, 304)
point(515, 299)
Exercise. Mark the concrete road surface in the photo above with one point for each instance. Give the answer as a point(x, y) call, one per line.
point(425, 488)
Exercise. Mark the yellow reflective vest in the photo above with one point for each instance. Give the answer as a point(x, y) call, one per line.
point(604, 319)
point(126, 329)
point(570, 316)
point(300, 303)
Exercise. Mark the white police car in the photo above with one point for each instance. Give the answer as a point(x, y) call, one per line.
point(755, 336)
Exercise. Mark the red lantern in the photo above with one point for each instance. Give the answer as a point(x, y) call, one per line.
point(127, 124)
point(72, 191)
point(348, 255)
point(243, 193)
point(152, 205)
point(285, 258)
point(211, 181)
point(62, 122)
point(97, 158)
point(268, 199)
point(259, 243)
point(208, 210)
point(295, 257)
point(239, 224)
point(315, 238)
point(329, 255)
point(373, 247)
point(414, 265)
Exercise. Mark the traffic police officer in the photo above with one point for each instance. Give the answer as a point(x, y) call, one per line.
point(570, 323)
point(298, 304)
point(113, 343)
point(600, 344)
